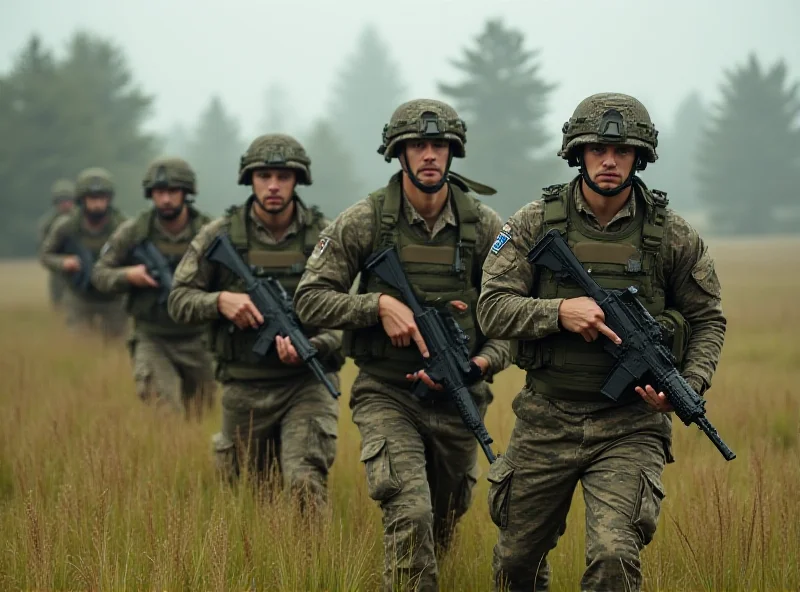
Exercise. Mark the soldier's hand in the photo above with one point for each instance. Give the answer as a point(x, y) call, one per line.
point(137, 276)
point(399, 324)
point(583, 315)
point(71, 264)
point(286, 351)
point(423, 376)
point(239, 309)
point(657, 401)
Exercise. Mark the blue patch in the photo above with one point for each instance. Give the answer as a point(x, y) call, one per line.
point(500, 242)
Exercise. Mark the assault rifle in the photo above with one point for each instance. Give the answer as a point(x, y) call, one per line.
point(81, 280)
point(157, 266)
point(449, 363)
point(274, 304)
point(641, 351)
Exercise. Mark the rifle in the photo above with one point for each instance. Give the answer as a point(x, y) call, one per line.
point(274, 304)
point(157, 266)
point(641, 350)
point(449, 363)
point(81, 280)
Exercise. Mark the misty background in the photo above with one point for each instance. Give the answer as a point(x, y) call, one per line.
point(110, 84)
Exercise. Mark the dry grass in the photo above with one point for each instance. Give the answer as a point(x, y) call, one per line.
point(100, 492)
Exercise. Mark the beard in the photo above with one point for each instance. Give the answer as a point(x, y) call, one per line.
point(96, 215)
point(169, 214)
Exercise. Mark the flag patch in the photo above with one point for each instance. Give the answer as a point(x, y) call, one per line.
point(321, 246)
point(500, 241)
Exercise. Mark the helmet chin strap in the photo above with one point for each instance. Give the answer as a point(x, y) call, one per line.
point(599, 190)
point(419, 184)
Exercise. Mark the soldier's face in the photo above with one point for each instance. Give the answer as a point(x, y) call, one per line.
point(274, 188)
point(64, 206)
point(96, 205)
point(426, 159)
point(608, 165)
point(168, 202)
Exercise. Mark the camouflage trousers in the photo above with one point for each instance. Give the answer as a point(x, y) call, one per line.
point(616, 453)
point(174, 372)
point(289, 427)
point(109, 317)
point(56, 286)
point(421, 467)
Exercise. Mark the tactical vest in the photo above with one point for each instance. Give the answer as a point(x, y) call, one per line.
point(143, 303)
point(563, 365)
point(284, 262)
point(94, 242)
point(439, 270)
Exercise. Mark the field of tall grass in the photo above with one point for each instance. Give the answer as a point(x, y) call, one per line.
point(98, 491)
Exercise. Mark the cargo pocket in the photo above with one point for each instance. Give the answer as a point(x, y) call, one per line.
point(224, 456)
point(467, 488)
point(648, 506)
point(382, 481)
point(321, 446)
point(704, 274)
point(500, 475)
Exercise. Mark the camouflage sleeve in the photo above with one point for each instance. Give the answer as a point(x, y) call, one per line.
point(694, 290)
point(495, 351)
point(108, 274)
point(322, 298)
point(48, 252)
point(189, 301)
point(506, 309)
point(327, 341)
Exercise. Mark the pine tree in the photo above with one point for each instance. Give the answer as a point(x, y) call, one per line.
point(503, 99)
point(335, 186)
point(214, 153)
point(65, 116)
point(750, 153)
point(368, 90)
point(677, 149)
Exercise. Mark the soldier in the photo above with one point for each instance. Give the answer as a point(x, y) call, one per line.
point(566, 431)
point(274, 409)
point(420, 460)
point(171, 361)
point(87, 228)
point(63, 194)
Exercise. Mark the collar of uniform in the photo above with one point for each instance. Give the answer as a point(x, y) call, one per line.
point(446, 217)
point(265, 234)
point(185, 232)
point(628, 210)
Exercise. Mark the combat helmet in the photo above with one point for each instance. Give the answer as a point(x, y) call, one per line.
point(610, 118)
point(426, 119)
point(275, 151)
point(94, 181)
point(169, 172)
point(63, 190)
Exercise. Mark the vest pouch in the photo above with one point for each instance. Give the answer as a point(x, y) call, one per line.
point(527, 354)
point(675, 332)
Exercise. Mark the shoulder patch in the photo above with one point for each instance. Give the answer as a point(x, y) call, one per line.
point(502, 239)
point(320, 248)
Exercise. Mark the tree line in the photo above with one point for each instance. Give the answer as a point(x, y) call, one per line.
point(735, 162)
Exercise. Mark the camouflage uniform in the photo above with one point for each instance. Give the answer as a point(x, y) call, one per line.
point(63, 190)
point(566, 432)
point(271, 411)
point(420, 460)
point(171, 361)
point(83, 306)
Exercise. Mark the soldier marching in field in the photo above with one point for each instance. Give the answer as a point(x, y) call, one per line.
point(63, 195)
point(274, 409)
point(420, 460)
point(171, 361)
point(73, 244)
point(566, 431)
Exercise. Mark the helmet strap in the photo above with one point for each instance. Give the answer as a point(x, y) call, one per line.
point(419, 184)
point(599, 190)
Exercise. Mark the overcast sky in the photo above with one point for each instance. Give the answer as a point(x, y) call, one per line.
point(183, 52)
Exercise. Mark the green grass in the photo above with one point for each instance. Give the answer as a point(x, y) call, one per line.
point(98, 491)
